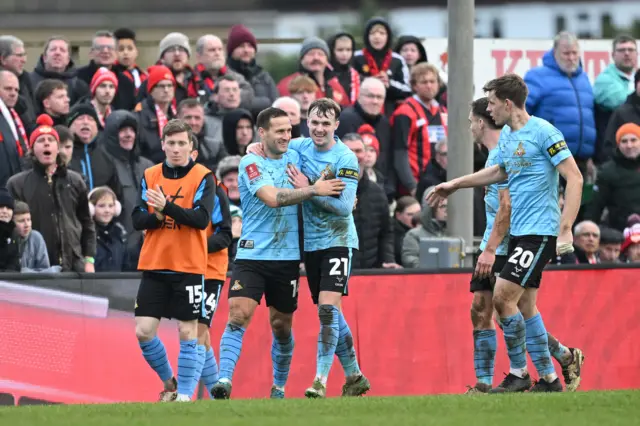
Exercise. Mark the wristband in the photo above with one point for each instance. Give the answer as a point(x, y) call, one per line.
point(89, 259)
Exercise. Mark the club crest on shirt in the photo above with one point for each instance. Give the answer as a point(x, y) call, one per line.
point(327, 173)
point(519, 152)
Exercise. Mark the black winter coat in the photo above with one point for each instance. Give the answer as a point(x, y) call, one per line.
point(111, 247)
point(95, 166)
point(9, 247)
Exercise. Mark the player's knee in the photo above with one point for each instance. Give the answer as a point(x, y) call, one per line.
point(239, 315)
point(188, 330)
point(145, 331)
point(481, 312)
point(281, 327)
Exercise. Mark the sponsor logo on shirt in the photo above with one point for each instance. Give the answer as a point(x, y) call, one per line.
point(556, 148)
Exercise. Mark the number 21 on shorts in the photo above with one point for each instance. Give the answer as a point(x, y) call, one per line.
point(522, 257)
point(336, 263)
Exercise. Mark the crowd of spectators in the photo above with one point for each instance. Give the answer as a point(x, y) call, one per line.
point(66, 201)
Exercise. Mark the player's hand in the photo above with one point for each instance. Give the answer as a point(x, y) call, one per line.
point(439, 193)
point(257, 149)
point(391, 265)
point(89, 268)
point(485, 264)
point(564, 243)
point(156, 198)
point(296, 178)
point(328, 187)
point(355, 204)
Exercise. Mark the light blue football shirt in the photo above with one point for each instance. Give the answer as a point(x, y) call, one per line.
point(491, 205)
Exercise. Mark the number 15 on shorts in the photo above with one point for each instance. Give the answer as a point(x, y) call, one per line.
point(195, 293)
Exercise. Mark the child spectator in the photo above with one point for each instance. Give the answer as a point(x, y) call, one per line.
point(33, 249)
point(66, 143)
point(111, 253)
point(9, 251)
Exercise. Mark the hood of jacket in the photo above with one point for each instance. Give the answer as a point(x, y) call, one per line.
point(332, 45)
point(68, 73)
point(229, 125)
point(370, 24)
point(409, 39)
point(548, 60)
point(109, 138)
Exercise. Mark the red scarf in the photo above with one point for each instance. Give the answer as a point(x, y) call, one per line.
point(102, 118)
point(202, 76)
point(355, 85)
point(162, 117)
point(21, 131)
point(372, 65)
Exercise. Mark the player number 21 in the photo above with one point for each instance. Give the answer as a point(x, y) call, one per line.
point(526, 257)
point(335, 269)
point(195, 293)
point(294, 284)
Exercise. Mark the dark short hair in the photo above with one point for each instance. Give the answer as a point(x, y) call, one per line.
point(124, 33)
point(622, 38)
point(324, 106)
point(176, 126)
point(189, 103)
point(266, 115)
point(56, 38)
point(20, 208)
point(404, 202)
point(479, 109)
point(64, 133)
point(353, 136)
point(226, 77)
point(46, 87)
point(509, 86)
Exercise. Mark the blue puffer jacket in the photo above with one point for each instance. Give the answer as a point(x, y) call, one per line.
point(566, 102)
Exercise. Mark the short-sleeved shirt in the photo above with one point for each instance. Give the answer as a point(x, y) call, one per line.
point(491, 205)
point(267, 233)
point(325, 229)
point(530, 157)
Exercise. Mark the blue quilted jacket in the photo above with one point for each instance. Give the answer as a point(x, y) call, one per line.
point(564, 101)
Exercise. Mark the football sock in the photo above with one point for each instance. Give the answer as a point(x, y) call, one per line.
point(484, 354)
point(538, 347)
point(515, 340)
point(230, 347)
point(187, 366)
point(327, 340)
point(561, 353)
point(209, 370)
point(155, 354)
point(281, 354)
point(201, 351)
point(345, 350)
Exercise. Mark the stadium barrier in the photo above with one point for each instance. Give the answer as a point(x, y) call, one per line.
point(69, 338)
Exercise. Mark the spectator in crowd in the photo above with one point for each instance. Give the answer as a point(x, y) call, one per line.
point(378, 60)
point(241, 58)
point(371, 154)
point(55, 63)
point(631, 245)
point(127, 53)
point(174, 53)
point(628, 112)
point(292, 108)
point(89, 158)
point(342, 47)
point(610, 245)
point(119, 141)
point(368, 110)
point(304, 90)
point(9, 237)
point(411, 49)
point(227, 173)
point(155, 111)
point(111, 236)
point(371, 217)
point(65, 150)
point(432, 225)
point(417, 125)
point(13, 137)
point(436, 171)
point(560, 92)
point(618, 181)
point(586, 241)
point(236, 231)
point(407, 208)
point(33, 249)
point(13, 57)
point(314, 63)
point(612, 86)
point(238, 131)
point(52, 99)
point(225, 98)
point(206, 129)
point(104, 86)
point(103, 54)
point(211, 66)
point(58, 201)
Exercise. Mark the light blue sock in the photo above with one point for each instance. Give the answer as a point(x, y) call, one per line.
point(484, 355)
point(538, 346)
point(201, 354)
point(210, 370)
point(345, 350)
point(327, 340)
point(515, 339)
point(561, 353)
point(230, 347)
point(281, 354)
point(187, 366)
point(155, 354)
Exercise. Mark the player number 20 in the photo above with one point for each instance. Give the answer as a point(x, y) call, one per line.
point(335, 268)
point(195, 293)
point(522, 257)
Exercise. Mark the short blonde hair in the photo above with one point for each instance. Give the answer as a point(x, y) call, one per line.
point(423, 69)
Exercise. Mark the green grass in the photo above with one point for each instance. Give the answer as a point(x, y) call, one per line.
point(583, 408)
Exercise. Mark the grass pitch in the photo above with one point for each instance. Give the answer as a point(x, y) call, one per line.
point(582, 408)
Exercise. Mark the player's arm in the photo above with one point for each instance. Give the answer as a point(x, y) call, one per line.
point(280, 197)
point(348, 171)
point(572, 192)
point(221, 218)
point(484, 177)
point(199, 215)
point(501, 222)
point(140, 216)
